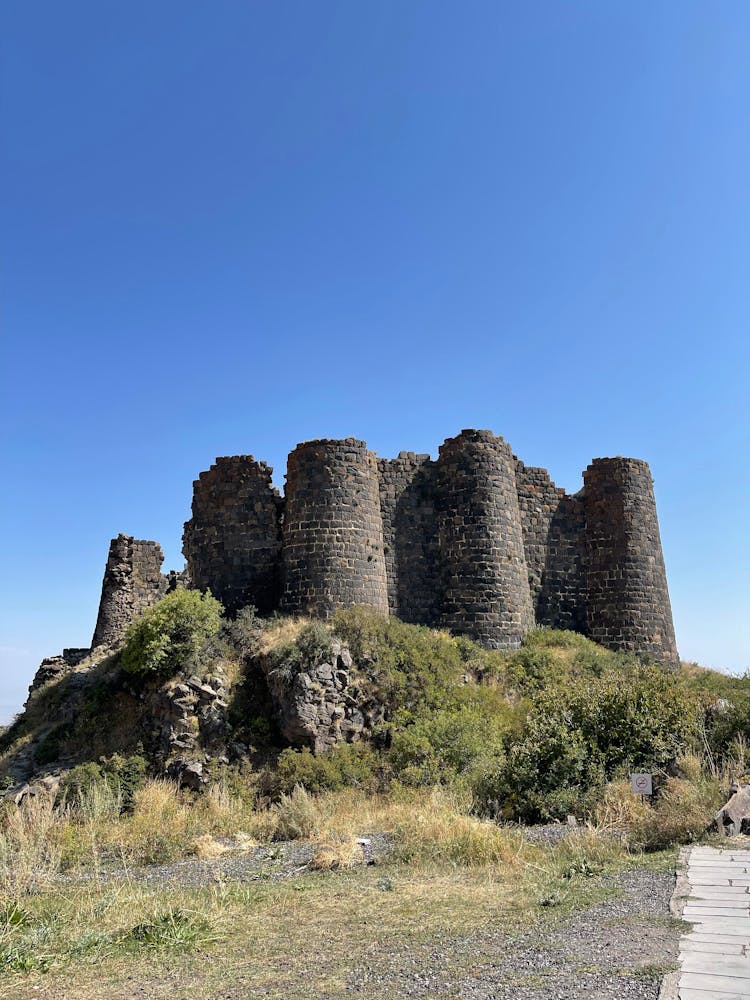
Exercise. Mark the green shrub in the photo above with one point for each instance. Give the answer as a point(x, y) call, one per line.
point(530, 668)
point(49, 747)
point(350, 765)
point(409, 667)
point(443, 744)
point(243, 632)
point(543, 637)
point(129, 775)
point(120, 776)
point(79, 781)
point(171, 632)
point(171, 929)
point(578, 734)
point(310, 648)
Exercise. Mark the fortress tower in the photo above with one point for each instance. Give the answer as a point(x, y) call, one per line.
point(626, 584)
point(476, 542)
point(232, 543)
point(333, 553)
point(132, 582)
point(487, 592)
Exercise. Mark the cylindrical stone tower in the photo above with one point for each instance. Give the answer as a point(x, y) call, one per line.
point(626, 583)
point(487, 594)
point(333, 530)
point(232, 543)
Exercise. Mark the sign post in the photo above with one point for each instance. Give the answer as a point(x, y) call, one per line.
point(642, 785)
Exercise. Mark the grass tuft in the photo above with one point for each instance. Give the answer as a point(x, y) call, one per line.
point(297, 816)
point(338, 853)
point(171, 928)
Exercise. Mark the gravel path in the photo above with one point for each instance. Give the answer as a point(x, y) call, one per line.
point(269, 861)
point(616, 949)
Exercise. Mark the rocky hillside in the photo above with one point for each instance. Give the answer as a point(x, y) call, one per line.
point(368, 701)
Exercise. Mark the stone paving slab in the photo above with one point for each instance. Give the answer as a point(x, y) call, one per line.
point(734, 893)
point(688, 947)
point(709, 995)
point(715, 954)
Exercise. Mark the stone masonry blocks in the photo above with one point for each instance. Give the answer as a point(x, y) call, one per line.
point(487, 592)
point(333, 551)
point(626, 583)
point(476, 542)
point(553, 536)
point(133, 581)
point(412, 554)
point(232, 543)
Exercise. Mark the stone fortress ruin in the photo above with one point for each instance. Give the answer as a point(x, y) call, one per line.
point(475, 542)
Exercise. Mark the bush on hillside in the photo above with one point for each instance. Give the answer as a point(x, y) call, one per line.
point(350, 765)
point(409, 667)
point(682, 811)
point(441, 745)
point(123, 777)
point(310, 648)
point(243, 632)
point(171, 632)
point(579, 734)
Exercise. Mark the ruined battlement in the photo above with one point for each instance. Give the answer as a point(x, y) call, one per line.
point(473, 541)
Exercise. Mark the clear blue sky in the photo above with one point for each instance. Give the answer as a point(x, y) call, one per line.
point(230, 227)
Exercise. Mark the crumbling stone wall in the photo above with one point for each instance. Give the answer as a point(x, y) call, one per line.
point(487, 592)
point(333, 530)
point(626, 583)
point(410, 536)
point(53, 667)
point(232, 543)
point(133, 581)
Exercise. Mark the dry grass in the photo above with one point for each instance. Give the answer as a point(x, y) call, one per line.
point(207, 847)
point(164, 824)
point(288, 939)
point(442, 832)
point(29, 851)
point(682, 812)
point(343, 852)
point(301, 937)
point(452, 877)
point(428, 826)
point(281, 630)
point(297, 816)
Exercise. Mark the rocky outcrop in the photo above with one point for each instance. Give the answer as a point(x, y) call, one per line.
point(190, 726)
point(734, 817)
point(322, 704)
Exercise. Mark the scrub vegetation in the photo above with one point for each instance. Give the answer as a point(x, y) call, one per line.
point(474, 745)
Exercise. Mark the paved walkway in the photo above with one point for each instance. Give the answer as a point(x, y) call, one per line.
point(715, 954)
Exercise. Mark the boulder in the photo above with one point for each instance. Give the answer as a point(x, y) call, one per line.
point(734, 817)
